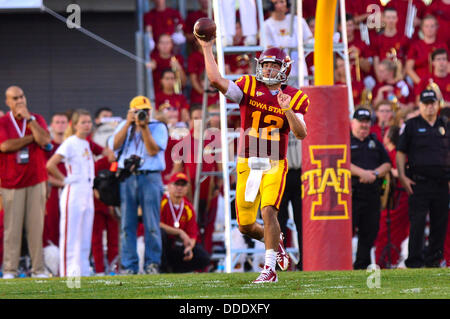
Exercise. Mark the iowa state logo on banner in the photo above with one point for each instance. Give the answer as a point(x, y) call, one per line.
point(326, 182)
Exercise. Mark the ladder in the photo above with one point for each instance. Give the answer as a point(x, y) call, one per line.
point(226, 109)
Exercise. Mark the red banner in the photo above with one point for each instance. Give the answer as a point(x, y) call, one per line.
point(326, 180)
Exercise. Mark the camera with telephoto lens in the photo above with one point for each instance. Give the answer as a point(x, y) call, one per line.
point(142, 115)
point(130, 166)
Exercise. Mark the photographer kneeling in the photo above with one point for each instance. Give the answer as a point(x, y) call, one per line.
point(141, 143)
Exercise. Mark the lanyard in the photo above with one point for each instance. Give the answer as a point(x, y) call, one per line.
point(24, 125)
point(176, 219)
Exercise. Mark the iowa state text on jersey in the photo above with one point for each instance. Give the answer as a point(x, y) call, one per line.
point(264, 127)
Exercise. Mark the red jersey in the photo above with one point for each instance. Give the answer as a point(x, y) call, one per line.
point(309, 8)
point(196, 65)
point(264, 127)
point(401, 90)
point(441, 11)
point(379, 131)
point(443, 83)
point(210, 156)
point(178, 101)
point(161, 64)
point(384, 44)
point(12, 174)
point(420, 52)
point(402, 10)
point(188, 219)
point(162, 22)
point(169, 160)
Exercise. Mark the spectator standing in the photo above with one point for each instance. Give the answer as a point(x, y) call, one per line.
point(237, 63)
point(163, 58)
point(398, 214)
point(76, 201)
point(390, 85)
point(167, 96)
point(390, 43)
point(105, 219)
point(418, 63)
point(369, 163)
point(187, 163)
point(384, 119)
point(23, 135)
point(440, 77)
point(279, 33)
point(177, 130)
point(191, 18)
point(196, 73)
point(339, 78)
point(424, 146)
point(360, 54)
point(247, 14)
point(441, 10)
point(401, 6)
point(164, 20)
point(181, 251)
point(142, 142)
point(58, 126)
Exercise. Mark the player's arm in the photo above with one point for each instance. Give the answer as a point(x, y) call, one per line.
point(296, 122)
point(212, 70)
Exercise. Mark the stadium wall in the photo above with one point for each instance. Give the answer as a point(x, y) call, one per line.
point(60, 68)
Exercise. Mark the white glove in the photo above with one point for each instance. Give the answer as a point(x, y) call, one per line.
point(178, 38)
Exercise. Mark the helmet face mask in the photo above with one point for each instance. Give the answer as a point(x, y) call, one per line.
point(275, 76)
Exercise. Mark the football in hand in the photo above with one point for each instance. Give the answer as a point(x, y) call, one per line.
point(205, 29)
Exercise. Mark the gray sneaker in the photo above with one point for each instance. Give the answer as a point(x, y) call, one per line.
point(127, 272)
point(152, 269)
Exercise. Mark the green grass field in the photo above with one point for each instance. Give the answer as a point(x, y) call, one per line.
point(394, 284)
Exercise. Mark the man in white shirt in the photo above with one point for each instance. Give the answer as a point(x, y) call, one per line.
point(281, 31)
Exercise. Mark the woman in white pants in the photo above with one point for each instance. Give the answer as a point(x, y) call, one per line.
point(76, 200)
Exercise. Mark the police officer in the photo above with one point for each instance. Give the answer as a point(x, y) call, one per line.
point(369, 163)
point(423, 162)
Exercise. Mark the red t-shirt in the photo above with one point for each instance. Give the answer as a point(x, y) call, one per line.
point(12, 174)
point(264, 127)
point(178, 101)
point(420, 52)
point(443, 83)
point(402, 9)
point(188, 219)
point(211, 145)
point(401, 90)
point(161, 64)
point(162, 22)
point(382, 45)
point(168, 158)
point(309, 8)
point(196, 65)
point(379, 132)
point(441, 11)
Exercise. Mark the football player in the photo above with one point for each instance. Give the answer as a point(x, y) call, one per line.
point(269, 109)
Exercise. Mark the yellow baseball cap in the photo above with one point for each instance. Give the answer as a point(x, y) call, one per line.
point(140, 102)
